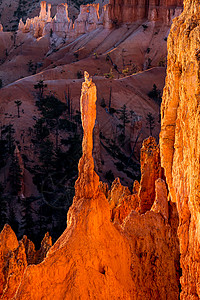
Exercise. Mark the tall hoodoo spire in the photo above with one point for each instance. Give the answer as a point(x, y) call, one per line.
point(88, 181)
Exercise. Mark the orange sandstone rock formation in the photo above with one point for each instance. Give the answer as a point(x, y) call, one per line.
point(95, 259)
point(14, 258)
point(150, 171)
point(121, 201)
point(91, 259)
point(180, 150)
point(96, 148)
point(88, 181)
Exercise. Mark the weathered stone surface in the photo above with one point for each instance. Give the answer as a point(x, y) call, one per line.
point(126, 204)
point(180, 150)
point(117, 193)
point(43, 11)
point(160, 204)
point(87, 19)
point(33, 256)
point(121, 201)
point(150, 171)
point(15, 266)
point(15, 257)
point(61, 21)
point(96, 148)
point(8, 243)
point(21, 25)
point(155, 256)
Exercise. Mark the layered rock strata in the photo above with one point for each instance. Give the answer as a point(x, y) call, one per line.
point(180, 150)
point(121, 11)
point(111, 15)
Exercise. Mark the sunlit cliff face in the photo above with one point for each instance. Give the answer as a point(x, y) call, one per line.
point(180, 138)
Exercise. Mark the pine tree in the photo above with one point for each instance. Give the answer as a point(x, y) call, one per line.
point(15, 175)
point(8, 135)
point(110, 99)
point(18, 104)
point(150, 122)
point(124, 117)
point(40, 86)
point(46, 155)
point(3, 208)
point(52, 109)
point(27, 223)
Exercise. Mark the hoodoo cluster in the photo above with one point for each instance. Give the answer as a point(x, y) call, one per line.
point(87, 20)
point(90, 17)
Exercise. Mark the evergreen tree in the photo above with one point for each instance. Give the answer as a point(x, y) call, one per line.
point(15, 175)
point(8, 136)
point(68, 101)
point(3, 208)
point(52, 109)
point(155, 94)
point(40, 86)
point(124, 117)
point(150, 122)
point(46, 155)
point(110, 99)
point(41, 130)
point(27, 223)
point(18, 104)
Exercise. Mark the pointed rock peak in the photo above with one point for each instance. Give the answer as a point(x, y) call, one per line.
point(8, 239)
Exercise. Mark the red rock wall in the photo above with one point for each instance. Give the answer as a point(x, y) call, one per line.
point(129, 11)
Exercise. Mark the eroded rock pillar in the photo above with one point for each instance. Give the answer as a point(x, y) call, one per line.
point(88, 181)
point(49, 13)
point(43, 11)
